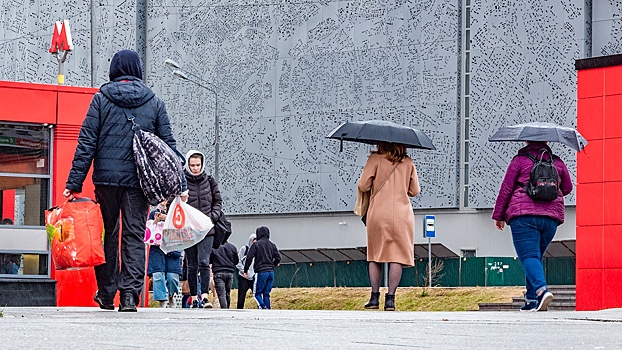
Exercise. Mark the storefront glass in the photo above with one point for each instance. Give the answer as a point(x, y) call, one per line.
point(24, 195)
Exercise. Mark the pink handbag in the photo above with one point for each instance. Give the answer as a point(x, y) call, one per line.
point(153, 233)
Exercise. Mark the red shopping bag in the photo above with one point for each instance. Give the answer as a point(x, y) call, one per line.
point(76, 233)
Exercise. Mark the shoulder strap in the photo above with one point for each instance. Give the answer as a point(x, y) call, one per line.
point(385, 181)
point(212, 183)
point(525, 154)
point(130, 118)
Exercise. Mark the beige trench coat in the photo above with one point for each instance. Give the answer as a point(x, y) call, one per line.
point(390, 218)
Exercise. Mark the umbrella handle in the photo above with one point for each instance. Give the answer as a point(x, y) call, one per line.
point(341, 141)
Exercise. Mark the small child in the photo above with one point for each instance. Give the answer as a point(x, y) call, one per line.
point(223, 262)
point(165, 269)
point(266, 257)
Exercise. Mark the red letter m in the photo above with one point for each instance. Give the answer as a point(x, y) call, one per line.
point(61, 39)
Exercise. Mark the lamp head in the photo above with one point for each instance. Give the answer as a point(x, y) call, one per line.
point(180, 74)
point(169, 62)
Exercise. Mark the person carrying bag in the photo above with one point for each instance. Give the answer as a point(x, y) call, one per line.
point(390, 218)
point(105, 141)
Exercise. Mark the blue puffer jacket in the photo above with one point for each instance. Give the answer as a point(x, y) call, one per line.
point(106, 135)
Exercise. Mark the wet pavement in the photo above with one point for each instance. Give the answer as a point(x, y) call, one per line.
point(92, 328)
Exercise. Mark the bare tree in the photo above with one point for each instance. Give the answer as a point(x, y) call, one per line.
point(437, 274)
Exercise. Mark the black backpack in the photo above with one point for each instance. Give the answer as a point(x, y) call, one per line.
point(543, 182)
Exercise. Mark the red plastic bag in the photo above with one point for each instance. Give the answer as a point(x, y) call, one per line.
point(76, 233)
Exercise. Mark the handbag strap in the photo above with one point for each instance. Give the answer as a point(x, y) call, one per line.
point(385, 181)
point(130, 117)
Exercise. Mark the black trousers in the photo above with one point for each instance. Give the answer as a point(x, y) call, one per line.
point(130, 207)
point(243, 286)
point(197, 258)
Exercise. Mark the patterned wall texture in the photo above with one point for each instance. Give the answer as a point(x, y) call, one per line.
point(289, 72)
point(607, 27)
point(523, 55)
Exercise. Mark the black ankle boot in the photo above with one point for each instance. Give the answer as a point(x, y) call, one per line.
point(374, 301)
point(389, 302)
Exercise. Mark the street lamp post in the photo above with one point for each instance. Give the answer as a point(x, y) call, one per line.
point(184, 75)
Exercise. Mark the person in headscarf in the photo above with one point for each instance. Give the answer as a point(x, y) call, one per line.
point(204, 195)
point(105, 140)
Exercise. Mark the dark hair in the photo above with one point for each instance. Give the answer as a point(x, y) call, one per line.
point(196, 155)
point(394, 152)
point(7, 221)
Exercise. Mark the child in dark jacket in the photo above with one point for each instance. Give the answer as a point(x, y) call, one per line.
point(223, 260)
point(266, 257)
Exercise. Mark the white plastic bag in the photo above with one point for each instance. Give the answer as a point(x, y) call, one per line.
point(184, 227)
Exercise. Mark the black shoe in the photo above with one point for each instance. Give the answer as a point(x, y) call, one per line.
point(389, 302)
point(128, 304)
point(374, 301)
point(195, 304)
point(102, 304)
point(529, 306)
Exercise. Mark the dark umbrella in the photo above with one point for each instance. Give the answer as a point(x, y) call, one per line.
point(374, 131)
point(539, 131)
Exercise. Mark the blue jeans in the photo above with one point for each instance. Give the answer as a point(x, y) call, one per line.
point(262, 288)
point(165, 282)
point(531, 236)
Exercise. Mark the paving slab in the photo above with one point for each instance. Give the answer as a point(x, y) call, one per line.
point(92, 328)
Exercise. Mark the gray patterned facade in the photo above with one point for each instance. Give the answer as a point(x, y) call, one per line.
point(288, 72)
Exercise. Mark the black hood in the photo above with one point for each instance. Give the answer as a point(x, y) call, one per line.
point(127, 92)
point(262, 232)
point(125, 63)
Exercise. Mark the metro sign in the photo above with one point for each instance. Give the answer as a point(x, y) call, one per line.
point(61, 38)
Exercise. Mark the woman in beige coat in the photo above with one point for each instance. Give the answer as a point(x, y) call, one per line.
point(391, 176)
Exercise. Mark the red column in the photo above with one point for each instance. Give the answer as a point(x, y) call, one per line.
point(599, 187)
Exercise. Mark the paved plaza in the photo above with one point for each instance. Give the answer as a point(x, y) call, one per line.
point(92, 328)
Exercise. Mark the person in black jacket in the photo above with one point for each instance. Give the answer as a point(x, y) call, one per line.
point(224, 259)
point(204, 195)
point(105, 140)
point(266, 257)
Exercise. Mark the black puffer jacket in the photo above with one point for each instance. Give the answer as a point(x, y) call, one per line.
point(203, 192)
point(106, 135)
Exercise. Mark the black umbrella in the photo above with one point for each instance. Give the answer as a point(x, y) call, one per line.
point(539, 131)
point(374, 131)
